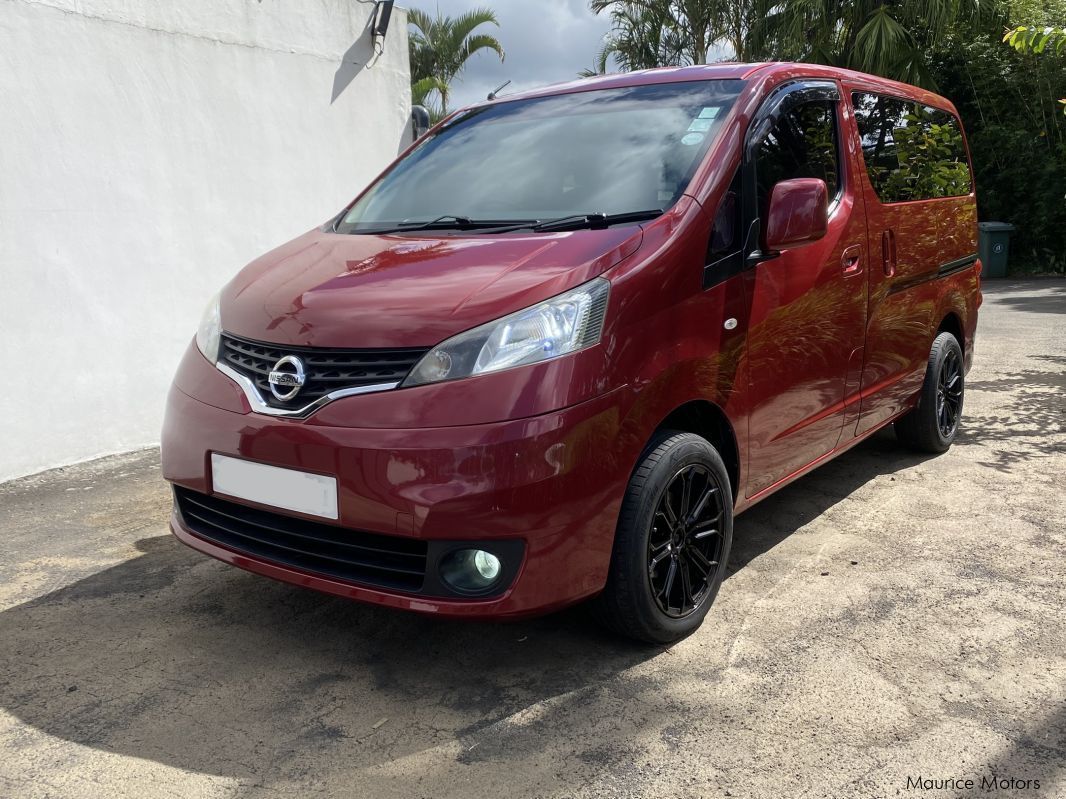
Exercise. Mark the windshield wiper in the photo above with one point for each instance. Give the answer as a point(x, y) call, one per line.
point(449, 222)
point(596, 221)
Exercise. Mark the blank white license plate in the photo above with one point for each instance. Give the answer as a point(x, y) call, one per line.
point(290, 489)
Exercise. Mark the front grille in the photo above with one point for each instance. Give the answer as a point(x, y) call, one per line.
point(350, 555)
point(326, 369)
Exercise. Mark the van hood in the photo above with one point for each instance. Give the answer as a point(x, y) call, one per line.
point(325, 289)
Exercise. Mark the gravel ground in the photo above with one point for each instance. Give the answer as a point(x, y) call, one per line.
point(889, 618)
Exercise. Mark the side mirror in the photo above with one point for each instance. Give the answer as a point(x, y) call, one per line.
point(799, 212)
point(420, 121)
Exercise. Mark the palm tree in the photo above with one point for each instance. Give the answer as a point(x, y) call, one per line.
point(886, 37)
point(421, 91)
point(650, 33)
point(441, 46)
point(643, 35)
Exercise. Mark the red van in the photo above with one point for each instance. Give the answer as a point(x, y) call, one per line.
point(560, 342)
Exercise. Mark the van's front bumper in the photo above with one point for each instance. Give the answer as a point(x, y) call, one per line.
point(551, 482)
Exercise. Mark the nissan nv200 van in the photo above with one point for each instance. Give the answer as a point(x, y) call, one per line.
point(554, 349)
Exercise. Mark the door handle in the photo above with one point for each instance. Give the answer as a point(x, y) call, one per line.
point(888, 253)
point(851, 260)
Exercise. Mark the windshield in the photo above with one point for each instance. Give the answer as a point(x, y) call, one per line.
point(610, 151)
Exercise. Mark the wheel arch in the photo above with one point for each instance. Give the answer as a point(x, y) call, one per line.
point(952, 323)
point(956, 311)
point(709, 421)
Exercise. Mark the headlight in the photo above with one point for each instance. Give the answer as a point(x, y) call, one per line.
point(561, 325)
point(210, 328)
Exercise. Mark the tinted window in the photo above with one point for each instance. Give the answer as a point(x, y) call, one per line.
point(912, 151)
point(801, 144)
point(609, 151)
point(725, 233)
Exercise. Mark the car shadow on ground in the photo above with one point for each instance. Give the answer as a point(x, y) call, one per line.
point(176, 658)
point(1054, 301)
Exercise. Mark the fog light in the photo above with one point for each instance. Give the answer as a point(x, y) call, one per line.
point(487, 564)
point(470, 571)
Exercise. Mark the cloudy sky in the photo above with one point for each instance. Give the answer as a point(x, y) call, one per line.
point(547, 41)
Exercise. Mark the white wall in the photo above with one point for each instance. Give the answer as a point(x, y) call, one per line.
point(148, 150)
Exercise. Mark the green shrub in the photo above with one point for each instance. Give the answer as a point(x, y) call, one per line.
point(1017, 135)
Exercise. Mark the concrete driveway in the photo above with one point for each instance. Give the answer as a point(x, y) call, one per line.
point(889, 618)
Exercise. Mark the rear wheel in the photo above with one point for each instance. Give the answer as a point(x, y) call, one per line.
point(672, 543)
point(934, 424)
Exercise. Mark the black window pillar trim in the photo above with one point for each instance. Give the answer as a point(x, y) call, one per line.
point(778, 102)
point(782, 100)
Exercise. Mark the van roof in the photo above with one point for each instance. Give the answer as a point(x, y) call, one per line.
point(771, 72)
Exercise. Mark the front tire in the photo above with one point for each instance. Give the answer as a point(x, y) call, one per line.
point(672, 544)
point(934, 424)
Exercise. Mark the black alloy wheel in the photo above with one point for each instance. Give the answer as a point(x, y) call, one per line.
point(685, 544)
point(672, 544)
point(949, 393)
point(933, 424)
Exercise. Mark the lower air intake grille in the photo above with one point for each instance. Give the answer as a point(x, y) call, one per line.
point(350, 555)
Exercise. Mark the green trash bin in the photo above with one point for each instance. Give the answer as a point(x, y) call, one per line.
point(994, 248)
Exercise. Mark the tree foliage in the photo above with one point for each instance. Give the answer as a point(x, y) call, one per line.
point(885, 37)
point(644, 35)
point(1034, 12)
point(1028, 39)
point(422, 93)
point(1008, 102)
point(440, 46)
point(1008, 96)
point(650, 33)
point(1031, 39)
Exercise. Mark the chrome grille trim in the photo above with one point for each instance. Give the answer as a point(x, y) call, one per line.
point(259, 405)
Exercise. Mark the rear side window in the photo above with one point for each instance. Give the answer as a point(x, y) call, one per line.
point(801, 144)
point(912, 151)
